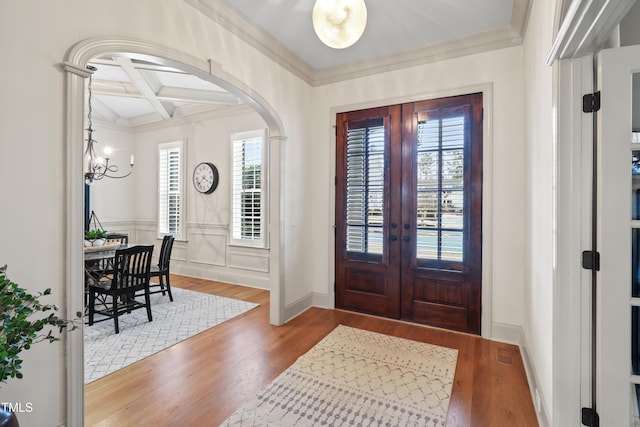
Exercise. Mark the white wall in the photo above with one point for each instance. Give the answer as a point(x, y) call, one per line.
point(539, 203)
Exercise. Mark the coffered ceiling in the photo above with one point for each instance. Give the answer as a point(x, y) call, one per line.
point(399, 33)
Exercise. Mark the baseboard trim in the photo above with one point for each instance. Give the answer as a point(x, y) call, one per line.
point(298, 307)
point(230, 277)
point(313, 299)
point(511, 334)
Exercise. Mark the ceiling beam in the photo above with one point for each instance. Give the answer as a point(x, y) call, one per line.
point(144, 87)
point(196, 96)
point(113, 88)
point(166, 93)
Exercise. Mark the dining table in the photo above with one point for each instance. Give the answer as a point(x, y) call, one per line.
point(98, 260)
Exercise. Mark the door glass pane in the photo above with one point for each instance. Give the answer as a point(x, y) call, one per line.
point(635, 110)
point(635, 262)
point(635, 185)
point(365, 188)
point(635, 404)
point(440, 197)
point(635, 341)
point(452, 209)
point(451, 245)
point(427, 244)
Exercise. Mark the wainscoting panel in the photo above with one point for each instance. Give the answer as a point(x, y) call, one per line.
point(207, 248)
point(249, 259)
point(206, 254)
point(179, 251)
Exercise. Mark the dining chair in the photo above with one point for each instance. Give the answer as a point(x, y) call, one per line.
point(131, 272)
point(161, 271)
point(122, 238)
point(112, 238)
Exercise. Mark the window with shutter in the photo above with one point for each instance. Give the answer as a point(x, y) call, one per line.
point(170, 189)
point(248, 164)
point(365, 187)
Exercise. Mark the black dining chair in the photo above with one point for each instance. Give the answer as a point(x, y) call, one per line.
point(112, 239)
point(122, 238)
point(131, 272)
point(161, 271)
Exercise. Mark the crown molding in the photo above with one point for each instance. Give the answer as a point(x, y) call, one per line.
point(224, 14)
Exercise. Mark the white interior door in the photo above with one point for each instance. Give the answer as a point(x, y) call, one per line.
point(618, 329)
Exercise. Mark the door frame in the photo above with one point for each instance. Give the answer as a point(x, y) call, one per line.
point(572, 291)
point(488, 329)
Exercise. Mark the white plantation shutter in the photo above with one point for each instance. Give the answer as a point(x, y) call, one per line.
point(170, 189)
point(248, 169)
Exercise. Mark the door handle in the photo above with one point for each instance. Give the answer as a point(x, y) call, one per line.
point(406, 238)
point(394, 238)
point(406, 226)
point(394, 225)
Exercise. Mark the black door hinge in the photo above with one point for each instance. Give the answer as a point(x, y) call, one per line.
point(591, 102)
point(590, 417)
point(591, 260)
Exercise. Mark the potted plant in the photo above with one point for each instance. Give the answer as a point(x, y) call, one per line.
point(95, 237)
point(24, 321)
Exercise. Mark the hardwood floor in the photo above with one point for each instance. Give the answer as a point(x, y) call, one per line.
point(203, 380)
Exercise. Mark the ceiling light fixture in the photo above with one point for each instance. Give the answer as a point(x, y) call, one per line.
point(339, 23)
point(98, 167)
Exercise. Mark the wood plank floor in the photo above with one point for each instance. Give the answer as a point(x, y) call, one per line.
point(203, 380)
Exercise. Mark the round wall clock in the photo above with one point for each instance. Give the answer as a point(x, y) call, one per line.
point(205, 177)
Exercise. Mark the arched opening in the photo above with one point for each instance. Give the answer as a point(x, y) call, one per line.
point(76, 73)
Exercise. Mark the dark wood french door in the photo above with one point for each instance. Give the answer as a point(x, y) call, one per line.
point(409, 211)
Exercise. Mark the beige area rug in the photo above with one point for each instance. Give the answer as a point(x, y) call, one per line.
point(355, 377)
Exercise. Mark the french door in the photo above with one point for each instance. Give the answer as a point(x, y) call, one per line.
point(618, 329)
point(409, 211)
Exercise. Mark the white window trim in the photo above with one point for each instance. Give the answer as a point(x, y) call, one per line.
point(183, 158)
point(263, 242)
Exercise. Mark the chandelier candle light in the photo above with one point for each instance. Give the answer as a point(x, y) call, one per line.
point(98, 167)
point(339, 23)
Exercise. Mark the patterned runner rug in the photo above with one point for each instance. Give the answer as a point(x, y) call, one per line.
point(360, 378)
point(190, 313)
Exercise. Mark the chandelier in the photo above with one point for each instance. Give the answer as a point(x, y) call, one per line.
point(98, 167)
point(339, 23)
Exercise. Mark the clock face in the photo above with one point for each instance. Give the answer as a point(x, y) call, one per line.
point(205, 177)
